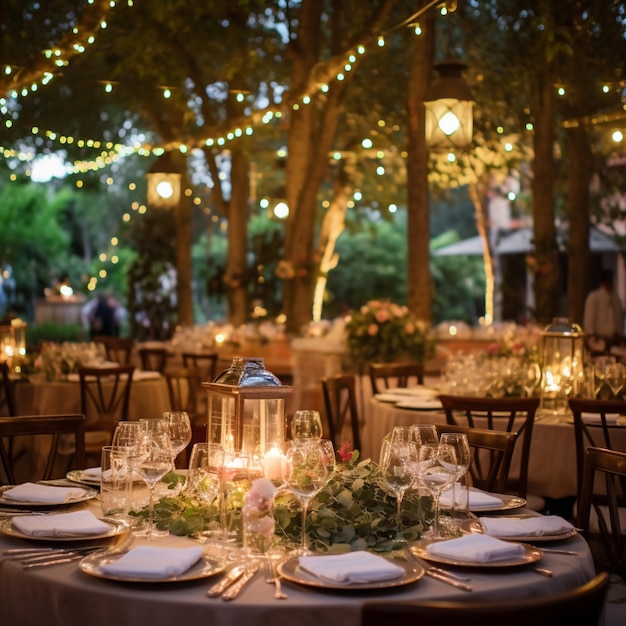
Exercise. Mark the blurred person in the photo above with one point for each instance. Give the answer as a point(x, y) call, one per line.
point(101, 316)
point(603, 319)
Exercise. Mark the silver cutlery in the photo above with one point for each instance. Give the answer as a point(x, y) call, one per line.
point(559, 551)
point(437, 575)
point(543, 571)
point(233, 591)
point(231, 577)
point(32, 557)
point(443, 572)
point(274, 578)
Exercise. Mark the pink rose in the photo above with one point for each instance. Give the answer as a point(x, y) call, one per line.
point(372, 330)
point(345, 452)
point(409, 328)
point(382, 315)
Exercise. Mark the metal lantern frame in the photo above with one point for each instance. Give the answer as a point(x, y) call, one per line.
point(163, 172)
point(563, 356)
point(13, 341)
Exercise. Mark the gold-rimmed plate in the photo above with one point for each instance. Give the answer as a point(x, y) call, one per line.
point(92, 565)
point(509, 503)
point(88, 494)
point(475, 526)
point(290, 570)
point(116, 527)
point(529, 555)
point(78, 476)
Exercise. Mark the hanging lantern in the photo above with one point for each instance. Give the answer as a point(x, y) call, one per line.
point(562, 363)
point(13, 342)
point(246, 408)
point(448, 102)
point(163, 183)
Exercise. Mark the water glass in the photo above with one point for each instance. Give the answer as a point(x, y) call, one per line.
point(113, 487)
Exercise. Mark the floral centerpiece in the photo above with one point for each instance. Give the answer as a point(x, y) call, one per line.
point(57, 360)
point(381, 331)
point(354, 511)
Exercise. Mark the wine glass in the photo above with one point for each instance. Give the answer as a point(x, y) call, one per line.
point(615, 377)
point(328, 450)
point(203, 478)
point(437, 471)
point(180, 430)
point(305, 475)
point(531, 378)
point(155, 460)
point(306, 424)
point(398, 463)
point(128, 434)
point(459, 443)
point(423, 433)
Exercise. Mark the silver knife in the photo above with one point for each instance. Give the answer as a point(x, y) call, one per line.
point(221, 586)
point(444, 579)
point(233, 591)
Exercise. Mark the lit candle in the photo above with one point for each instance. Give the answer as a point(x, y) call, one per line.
point(273, 464)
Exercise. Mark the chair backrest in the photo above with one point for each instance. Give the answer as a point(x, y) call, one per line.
point(7, 406)
point(105, 395)
point(340, 402)
point(581, 606)
point(153, 359)
point(386, 375)
point(607, 537)
point(36, 425)
point(591, 427)
point(508, 414)
point(185, 389)
point(492, 452)
point(204, 362)
point(118, 349)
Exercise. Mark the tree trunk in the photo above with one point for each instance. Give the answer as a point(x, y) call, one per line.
point(236, 266)
point(182, 221)
point(546, 266)
point(419, 281)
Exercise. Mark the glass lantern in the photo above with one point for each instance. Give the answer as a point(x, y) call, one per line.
point(13, 342)
point(246, 408)
point(562, 364)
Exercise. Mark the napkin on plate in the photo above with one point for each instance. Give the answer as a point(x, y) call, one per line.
point(594, 418)
point(476, 549)
point(148, 562)
point(537, 526)
point(477, 499)
point(47, 494)
point(353, 567)
point(95, 473)
point(76, 524)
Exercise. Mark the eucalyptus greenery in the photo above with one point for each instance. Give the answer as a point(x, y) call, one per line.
point(354, 511)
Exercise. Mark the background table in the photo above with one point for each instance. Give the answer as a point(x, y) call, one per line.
point(64, 596)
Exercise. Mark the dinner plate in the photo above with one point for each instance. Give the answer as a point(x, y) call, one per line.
point(89, 494)
point(78, 476)
point(290, 570)
point(116, 527)
point(530, 555)
point(416, 391)
point(476, 527)
point(509, 503)
point(420, 404)
point(91, 564)
point(393, 398)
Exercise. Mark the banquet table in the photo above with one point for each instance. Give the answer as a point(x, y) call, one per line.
point(149, 396)
point(63, 595)
point(552, 463)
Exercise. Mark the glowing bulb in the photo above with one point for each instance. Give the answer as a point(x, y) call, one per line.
point(449, 123)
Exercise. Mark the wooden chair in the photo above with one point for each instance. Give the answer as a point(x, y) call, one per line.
point(7, 406)
point(153, 359)
point(596, 434)
point(581, 606)
point(104, 399)
point(497, 414)
point(118, 349)
point(40, 425)
point(340, 402)
point(388, 375)
point(492, 452)
point(603, 494)
point(204, 362)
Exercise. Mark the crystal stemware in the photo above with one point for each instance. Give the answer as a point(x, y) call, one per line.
point(203, 477)
point(306, 424)
point(305, 475)
point(128, 434)
point(459, 443)
point(615, 377)
point(179, 428)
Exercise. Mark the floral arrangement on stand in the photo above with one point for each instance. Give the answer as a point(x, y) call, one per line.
point(381, 331)
point(57, 360)
point(354, 511)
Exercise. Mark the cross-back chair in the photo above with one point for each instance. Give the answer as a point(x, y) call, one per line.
point(7, 406)
point(492, 453)
point(51, 426)
point(592, 427)
point(388, 375)
point(601, 516)
point(153, 359)
point(104, 399)
point(204, 362)
point(341, 408)
point(504, 414)
point(118, 349)
point(581, 606)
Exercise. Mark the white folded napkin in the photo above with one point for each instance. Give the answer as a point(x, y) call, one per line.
point(95, 473)
point(476, 549)
point(477, 499)
point(76, 524)
point(353, 567)
point(594, 418)
point(46, 494)
point(148, 562)
point(537, 526)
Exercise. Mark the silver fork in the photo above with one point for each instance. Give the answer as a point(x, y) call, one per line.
point(274, 578)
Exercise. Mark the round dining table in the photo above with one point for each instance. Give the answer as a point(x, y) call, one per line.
point(64, 595)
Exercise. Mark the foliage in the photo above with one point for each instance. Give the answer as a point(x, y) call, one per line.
point(381, 331)
point(36, 334)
